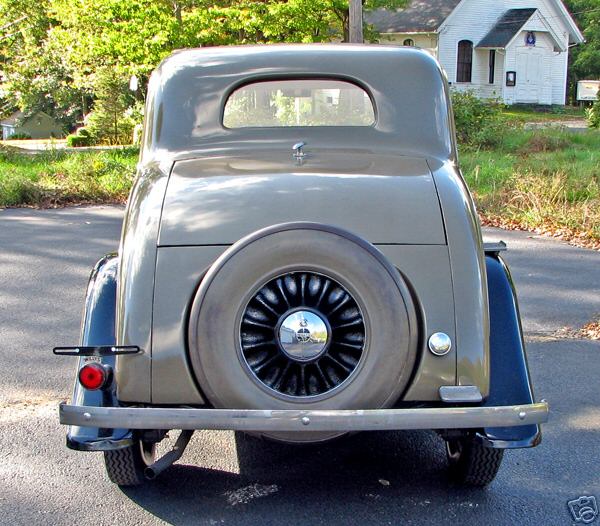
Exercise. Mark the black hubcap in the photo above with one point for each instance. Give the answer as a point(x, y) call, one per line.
point(302, 373)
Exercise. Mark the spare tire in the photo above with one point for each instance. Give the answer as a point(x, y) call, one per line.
point(302, 316)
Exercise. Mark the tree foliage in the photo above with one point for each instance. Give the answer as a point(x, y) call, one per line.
point(584, 59)
point(52, 51)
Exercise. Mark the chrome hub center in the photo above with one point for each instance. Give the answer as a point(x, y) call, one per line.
point(303, 335)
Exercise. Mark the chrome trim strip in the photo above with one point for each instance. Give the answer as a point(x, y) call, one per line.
point(460, 394)
point(297, 420)
point(495, 248)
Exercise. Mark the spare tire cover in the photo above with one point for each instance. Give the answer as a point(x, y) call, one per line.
point(302, 316)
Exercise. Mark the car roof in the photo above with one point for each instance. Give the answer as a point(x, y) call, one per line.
point(188, 91)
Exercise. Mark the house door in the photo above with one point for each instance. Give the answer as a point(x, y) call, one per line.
point(533, 76)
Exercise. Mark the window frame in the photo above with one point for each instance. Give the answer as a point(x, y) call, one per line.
point(273, 78)
point(464, 62)
point(492, 66)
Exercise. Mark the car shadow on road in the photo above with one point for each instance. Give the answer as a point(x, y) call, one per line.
point(344, 481)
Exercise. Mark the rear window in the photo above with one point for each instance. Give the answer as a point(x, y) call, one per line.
point(285, 103)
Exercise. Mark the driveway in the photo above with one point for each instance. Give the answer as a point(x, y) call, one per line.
point(370, 478)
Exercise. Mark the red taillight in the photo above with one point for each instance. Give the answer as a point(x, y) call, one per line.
point(93, 376)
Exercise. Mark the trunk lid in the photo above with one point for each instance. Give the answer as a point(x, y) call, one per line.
point(218, 199)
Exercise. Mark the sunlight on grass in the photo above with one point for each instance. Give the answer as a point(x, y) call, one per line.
point(547, 180)
point(56, 178)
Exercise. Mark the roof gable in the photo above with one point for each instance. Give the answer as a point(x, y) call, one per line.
point(18, 118)
point(427, 16)
point(419, 16)
point(12, 120)
point(506, 27)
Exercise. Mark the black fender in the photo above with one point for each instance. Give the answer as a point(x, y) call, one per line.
point(510, 382)
point(98, 329)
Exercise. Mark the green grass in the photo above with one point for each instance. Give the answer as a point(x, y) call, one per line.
point(525, 113)
point(546, 180)
point(58, 177)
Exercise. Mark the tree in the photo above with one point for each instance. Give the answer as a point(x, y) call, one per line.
point(54, 49)
point(108, 121)
point(33, 73)
point(584, 60)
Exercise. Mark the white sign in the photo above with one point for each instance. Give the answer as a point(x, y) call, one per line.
point(133, 83)
point(588, 89)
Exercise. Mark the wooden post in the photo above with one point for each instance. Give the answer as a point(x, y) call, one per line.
point(356, 21)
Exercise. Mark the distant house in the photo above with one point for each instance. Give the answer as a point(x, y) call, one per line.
point(515, 50)
point(37, 126)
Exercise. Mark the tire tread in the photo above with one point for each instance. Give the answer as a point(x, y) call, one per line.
point(477, 465)
point(123, 468)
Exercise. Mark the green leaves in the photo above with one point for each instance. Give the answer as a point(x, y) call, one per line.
point(53, 49)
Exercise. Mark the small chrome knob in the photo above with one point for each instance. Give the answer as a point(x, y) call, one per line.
point(440, 343)
point(298, 152)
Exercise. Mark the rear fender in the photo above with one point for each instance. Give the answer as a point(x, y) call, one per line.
point(98, 329)
point(510, 382)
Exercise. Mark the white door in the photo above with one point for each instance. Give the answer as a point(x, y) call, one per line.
point(533, 76)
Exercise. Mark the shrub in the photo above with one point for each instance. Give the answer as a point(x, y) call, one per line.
point(479, 122)
point(75, 141)
point(81, 137)
point(593, 114)
point(83, 132)
point(19, 136)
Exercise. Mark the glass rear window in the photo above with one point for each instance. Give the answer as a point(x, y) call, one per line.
point(286, 103)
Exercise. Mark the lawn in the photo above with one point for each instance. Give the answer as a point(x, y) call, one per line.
point(59, 177)
point(547, 181)
point(526, 113)
point(542, 180)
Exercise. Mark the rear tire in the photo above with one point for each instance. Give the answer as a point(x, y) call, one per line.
point(126, 466)
point(472, 464)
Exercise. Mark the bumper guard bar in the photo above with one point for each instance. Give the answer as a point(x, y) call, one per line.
point(298, 420)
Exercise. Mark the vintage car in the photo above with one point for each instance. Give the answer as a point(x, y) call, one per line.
point(300, 259)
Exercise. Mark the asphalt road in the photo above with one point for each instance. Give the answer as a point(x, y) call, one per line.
point(371, 478)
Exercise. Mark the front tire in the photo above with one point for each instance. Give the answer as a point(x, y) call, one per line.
point(472, 464)
point(126, 466)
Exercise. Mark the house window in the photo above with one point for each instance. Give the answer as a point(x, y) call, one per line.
point(408, 42)
point(464, 62)
point(492, 65)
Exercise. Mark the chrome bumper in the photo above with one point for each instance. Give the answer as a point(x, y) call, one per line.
point(295, 420)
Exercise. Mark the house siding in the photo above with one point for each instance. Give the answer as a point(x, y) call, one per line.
point(472, 19)
point(425, 41)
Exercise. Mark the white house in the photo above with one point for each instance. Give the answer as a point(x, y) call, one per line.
point(516, 50)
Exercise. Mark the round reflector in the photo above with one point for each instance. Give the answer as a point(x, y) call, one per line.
point(92, 376)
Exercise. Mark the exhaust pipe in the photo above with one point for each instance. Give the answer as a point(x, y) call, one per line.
point(155, 469)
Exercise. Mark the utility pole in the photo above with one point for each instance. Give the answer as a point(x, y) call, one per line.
point(356, 21)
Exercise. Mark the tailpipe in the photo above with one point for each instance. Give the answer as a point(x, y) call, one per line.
point(155, 469)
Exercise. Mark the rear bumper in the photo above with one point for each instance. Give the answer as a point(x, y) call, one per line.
point(294, 420)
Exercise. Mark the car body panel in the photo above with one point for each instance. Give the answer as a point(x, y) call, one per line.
point(465, 247)
point(98, 329)
point(180, 269)
point(395, 183)
point(137, 254)
point(220, 199)
point(188, 91)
